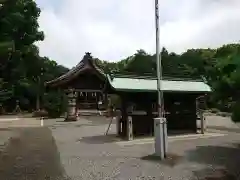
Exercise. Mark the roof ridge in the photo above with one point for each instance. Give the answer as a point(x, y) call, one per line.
point(74, 71)
point(134, 76)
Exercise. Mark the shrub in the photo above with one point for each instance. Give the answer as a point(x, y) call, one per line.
point(115, 101)
point(54, 104)
point(40, 113)
point(224, 114)
point(236, 113)
point(214, 110)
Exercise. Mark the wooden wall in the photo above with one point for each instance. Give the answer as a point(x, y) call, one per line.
point(180, 111)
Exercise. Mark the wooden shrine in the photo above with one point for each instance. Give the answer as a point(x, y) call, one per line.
point(86, 85)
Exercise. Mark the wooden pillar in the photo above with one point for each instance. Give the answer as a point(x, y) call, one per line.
point(118, 124)
point(129, 128)
point(97, 100)
point(71, 109)
point(149, 111)
point(201, 124)
point(124, 116)
point(77, 102)
point(105, 101)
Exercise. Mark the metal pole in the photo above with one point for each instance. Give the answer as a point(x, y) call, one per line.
point(158, 59)
point(160, 122)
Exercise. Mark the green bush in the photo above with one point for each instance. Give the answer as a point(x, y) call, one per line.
point(40, 113)
point(236, 113)
point(224, 114)
point(54, 104)
point(115, 101)
point(214, 110)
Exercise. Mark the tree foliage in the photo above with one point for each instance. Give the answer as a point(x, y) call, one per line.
point(23, 71)
point(220, 68)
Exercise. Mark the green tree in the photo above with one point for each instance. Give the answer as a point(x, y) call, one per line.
point(140, 63)
point(227, 79)
point(23, 72)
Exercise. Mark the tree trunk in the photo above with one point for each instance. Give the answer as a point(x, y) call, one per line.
point(38, 103)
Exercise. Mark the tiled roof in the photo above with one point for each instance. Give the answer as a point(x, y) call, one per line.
point(147, 84)
point(135, 83)
point(75, 71)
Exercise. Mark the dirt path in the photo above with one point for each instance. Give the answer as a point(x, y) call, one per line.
point(31, 155)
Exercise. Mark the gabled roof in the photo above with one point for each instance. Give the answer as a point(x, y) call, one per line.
point(86, 63)
point(138, 84)
point(131, 82)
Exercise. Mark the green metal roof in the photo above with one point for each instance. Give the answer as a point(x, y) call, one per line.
point(138, 84)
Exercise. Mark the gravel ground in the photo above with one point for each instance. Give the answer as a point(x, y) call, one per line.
point(87, 154)
point(80, 150)
point(221, 122)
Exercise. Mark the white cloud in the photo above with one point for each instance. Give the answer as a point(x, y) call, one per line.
point(113, 30)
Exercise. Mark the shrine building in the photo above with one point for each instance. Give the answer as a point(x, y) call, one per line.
point(86, 85)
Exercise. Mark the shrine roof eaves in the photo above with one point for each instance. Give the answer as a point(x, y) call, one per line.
point(72, 73)
point(150, 85)
point(67, 75)
point(154, 77)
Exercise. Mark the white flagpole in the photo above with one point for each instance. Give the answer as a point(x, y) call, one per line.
point(160, 129)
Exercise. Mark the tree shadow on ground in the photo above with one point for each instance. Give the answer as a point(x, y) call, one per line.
point(100, 139)
point(222, 162)
point(31, 155)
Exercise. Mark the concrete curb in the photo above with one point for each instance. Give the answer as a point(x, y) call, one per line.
point(170, 139)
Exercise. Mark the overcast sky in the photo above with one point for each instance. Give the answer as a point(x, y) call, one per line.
point(114, 29)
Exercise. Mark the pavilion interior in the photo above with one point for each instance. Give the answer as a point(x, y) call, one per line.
point(179, 110)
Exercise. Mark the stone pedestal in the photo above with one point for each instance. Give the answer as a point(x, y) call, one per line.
point(160, 134)
point(201, 123)
point(129, 128)
point(71, 109)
